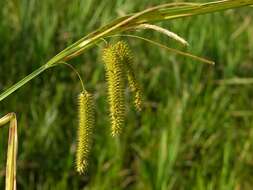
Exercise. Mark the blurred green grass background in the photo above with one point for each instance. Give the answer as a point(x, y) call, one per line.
point(193, 133)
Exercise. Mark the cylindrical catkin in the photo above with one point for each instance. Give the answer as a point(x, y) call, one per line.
point(116, 77)
point(86, 113)
point(125, 54)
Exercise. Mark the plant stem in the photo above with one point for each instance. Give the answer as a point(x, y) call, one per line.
point(22, 82)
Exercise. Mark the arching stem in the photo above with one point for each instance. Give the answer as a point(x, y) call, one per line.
point(76, 72)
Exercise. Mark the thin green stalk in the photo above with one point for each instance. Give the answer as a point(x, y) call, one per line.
point(201, 59)
point(76, 72)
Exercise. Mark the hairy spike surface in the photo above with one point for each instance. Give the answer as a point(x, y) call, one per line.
point(116, 77)
point(125, 54)
point(86, 113)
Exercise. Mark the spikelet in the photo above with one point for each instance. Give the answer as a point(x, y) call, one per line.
point(116, 77)
point(85, 130)
point(138, 99)
point(125, 54)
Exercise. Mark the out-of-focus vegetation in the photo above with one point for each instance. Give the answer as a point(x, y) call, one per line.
point(195, 131)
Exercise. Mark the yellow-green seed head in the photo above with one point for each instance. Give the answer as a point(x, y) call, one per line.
point(138, 99)
point(125, 54)
point(115, 75)
point(86, 113)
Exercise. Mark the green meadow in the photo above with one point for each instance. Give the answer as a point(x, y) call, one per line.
point(195, 131)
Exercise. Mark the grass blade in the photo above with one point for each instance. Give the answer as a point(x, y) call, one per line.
point(22, 82)
point(10, 179)
point(168, 48)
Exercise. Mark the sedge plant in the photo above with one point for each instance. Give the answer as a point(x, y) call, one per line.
point(118, 61)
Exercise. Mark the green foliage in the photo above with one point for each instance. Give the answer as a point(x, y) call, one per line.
point(193, 133)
